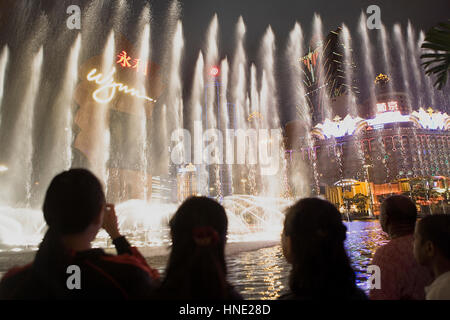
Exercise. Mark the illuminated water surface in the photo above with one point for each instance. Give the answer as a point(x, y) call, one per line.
point(263, 273)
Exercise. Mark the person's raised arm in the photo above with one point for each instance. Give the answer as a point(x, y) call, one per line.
point(122, 245)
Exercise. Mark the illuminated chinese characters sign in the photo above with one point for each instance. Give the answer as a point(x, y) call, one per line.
point(390, 106)
point(108, 87)
point(137, 64)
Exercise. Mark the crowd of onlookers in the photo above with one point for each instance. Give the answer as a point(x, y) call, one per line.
point(414, 264)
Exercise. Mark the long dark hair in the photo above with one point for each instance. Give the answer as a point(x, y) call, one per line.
point(72, 202)
point(320, 265)
point(196, 267)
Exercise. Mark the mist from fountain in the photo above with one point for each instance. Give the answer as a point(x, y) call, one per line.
point(368, 58)
point(59, 140)
point(174, 97)
point(318, 37)
point(211, 59)
point(100, 147)
point(399, 41)
point(295, 49)
point(385, 46)
point(21, 154)
point(224, 123)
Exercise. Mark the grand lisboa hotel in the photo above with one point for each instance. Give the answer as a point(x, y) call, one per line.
point(357, 162)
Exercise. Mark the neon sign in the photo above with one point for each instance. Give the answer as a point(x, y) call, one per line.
point(381, 107)
point(389, 106)
point(124, 61)
point(107, 90)
point(392, 106)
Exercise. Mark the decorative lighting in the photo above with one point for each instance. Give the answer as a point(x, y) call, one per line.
point(109, 86)
point(337, 128)
point(254, 115)
point(381, 78)
point(214, 71)
point(430, 119)
point(349, 125)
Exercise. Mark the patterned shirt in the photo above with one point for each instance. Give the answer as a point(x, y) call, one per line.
point(402, 278)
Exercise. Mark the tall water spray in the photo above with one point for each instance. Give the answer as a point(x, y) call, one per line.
point(211, 105)
point(238, 98)
point(425, 79)
point(348, 71)
point(144, 112)
point(268, 95)
point(368, 58)
point(318, 40)
point(196, 124)
point(385, 48)
point(225, 122)
point(211, 60)
point(299, 168)
point(97, 135)
point(349, 84)
point(238, 76)
point(370, 74)
point(59, 135)
point(400, 44)
point(3, 64)
point(21, 143)
point(196, 98)
point(273, 182)
point(174, 98)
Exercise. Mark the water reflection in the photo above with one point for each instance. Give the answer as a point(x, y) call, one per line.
point(363, 238)
point(260, 274)
point(263, 274)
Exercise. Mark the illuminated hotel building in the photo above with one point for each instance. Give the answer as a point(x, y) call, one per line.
point(387, 150)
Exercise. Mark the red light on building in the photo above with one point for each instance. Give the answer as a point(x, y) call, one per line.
point(381, 107)
point(214, 71)
point(392, 105)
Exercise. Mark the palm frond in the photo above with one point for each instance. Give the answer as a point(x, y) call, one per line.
point(437, 63)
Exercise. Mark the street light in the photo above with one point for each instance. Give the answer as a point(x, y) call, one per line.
point(367, 166)
point(3, 168)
